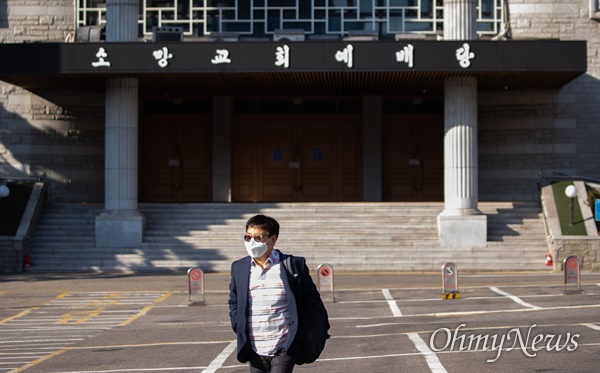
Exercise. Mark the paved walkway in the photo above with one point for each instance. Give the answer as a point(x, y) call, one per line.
point(381, 322)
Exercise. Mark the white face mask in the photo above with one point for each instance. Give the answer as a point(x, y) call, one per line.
point(256, 249)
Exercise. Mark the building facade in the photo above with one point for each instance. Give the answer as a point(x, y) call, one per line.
point(323, 120)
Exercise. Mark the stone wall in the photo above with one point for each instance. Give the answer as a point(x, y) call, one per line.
point(36, 20)
point(524, 135)
point(11, 255)
point(59, 137)
point(587, 249)
point(56, 135)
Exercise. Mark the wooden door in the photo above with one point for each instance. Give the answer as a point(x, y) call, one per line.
point(245, 150)
point(317, 174)
point(262, 152)
point(297, 157)
point(176, 158)
point(331, 165)
point(413, 163)
point(277, 159)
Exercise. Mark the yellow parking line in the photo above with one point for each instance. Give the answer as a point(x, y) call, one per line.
point(89, 310)
point(155, 344)
point(146, 309)
point(20, 314)
point(29, 310)
point(40, 360)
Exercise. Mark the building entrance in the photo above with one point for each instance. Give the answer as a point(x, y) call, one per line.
point(176, 158)
point(413, 157)
point(297, 157)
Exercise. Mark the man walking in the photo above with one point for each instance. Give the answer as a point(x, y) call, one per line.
point(265, 314)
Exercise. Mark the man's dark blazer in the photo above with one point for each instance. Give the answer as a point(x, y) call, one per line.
point(238, 302)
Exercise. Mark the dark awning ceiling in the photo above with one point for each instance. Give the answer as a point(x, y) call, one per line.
point(294, 68)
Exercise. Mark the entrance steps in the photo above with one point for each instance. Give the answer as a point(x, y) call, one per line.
point(348, 236)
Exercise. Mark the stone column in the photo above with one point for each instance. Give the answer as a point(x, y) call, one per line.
point(460, 146)
point(121, 20)
point(460, 19)
point(461, 224)
point(121, 184)
point(121, 224)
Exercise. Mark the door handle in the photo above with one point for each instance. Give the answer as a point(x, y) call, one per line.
point(416, 161)
point(176, 162)
point(295, 164)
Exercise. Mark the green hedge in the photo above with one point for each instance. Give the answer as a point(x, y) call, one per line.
point(564, 212)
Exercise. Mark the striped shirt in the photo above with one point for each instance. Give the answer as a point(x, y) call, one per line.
point(268, 317)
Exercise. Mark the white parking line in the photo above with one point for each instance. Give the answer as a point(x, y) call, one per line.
point(365, 357)
point(219, 360)
point(515, 298)
point(130, 370)
point(430, 357)
point(391, 302)
point(469, 313)
point(437, 299)
point(592, 326)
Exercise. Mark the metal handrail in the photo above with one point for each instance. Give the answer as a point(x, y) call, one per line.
point(15, 179)
point(567, 177)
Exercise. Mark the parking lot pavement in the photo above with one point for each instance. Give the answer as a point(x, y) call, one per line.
point(380, 322)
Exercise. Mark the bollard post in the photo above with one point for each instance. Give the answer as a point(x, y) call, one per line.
point(450, 281)
point(572, 279)
point(325, 279)
point(195, 287)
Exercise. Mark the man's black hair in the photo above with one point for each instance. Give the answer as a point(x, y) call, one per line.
point(264, 222)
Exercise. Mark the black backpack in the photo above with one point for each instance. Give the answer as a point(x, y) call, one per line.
point(314, 322)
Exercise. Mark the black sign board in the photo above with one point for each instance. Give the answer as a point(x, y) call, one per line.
point(404, 55)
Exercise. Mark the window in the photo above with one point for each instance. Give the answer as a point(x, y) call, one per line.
point(260, 18)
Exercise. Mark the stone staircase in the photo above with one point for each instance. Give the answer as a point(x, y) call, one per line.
point(349, 236)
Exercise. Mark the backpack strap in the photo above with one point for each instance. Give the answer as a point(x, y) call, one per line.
point(293, 278)
point(287, 263)
point(289, 267)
